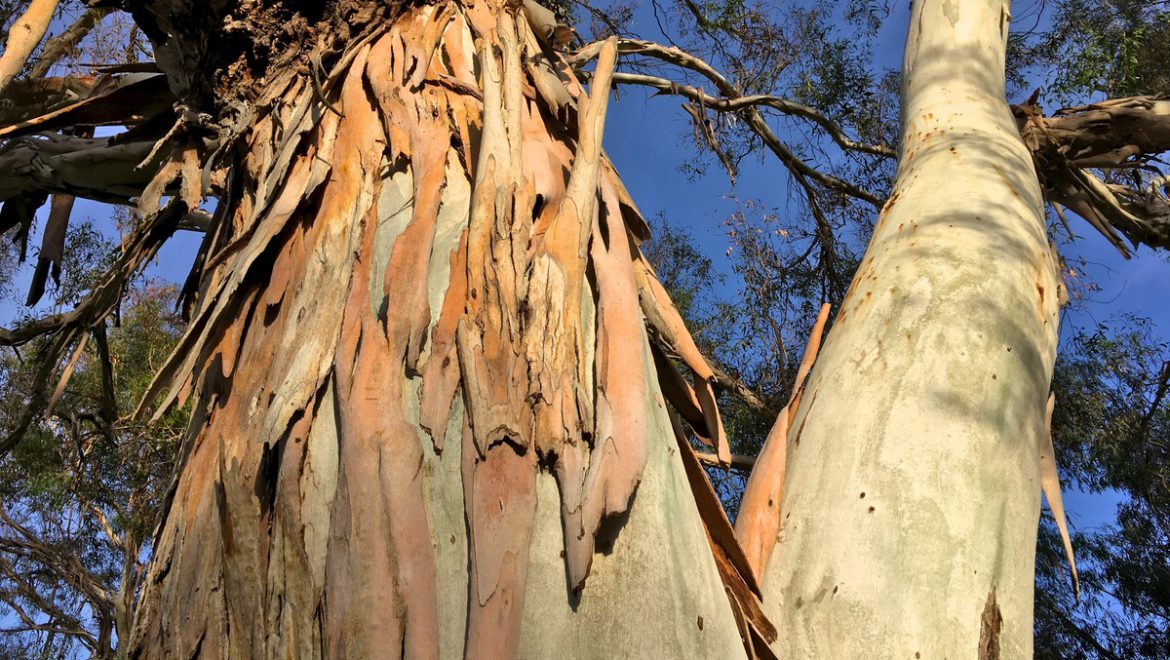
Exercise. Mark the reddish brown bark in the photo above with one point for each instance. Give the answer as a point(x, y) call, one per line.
point(418, 229)
point(758, 523)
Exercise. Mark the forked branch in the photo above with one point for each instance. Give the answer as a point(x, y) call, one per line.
point(730, 99)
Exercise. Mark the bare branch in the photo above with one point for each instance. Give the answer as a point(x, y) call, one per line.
point(107, 528)
point(86, 167)
point(731, 100)
point(740, 390)
point(67, 566)
point(58, 46)
point(738, 461)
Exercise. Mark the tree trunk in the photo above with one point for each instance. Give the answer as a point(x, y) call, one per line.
point(423, 389)
point(912, 495)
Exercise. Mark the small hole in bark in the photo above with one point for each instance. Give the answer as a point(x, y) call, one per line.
point(700, 622)
point(994, 377)
point(871, 509)
point(863, 496)
point(835, 589)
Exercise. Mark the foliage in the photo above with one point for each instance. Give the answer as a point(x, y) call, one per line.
point(79, 494)
point(1110, 428)
point(1099, 48)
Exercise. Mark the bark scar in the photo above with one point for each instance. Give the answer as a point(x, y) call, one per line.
point(990, 623)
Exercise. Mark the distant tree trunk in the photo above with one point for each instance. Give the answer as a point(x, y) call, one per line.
point(912, 494)
point(422, 382)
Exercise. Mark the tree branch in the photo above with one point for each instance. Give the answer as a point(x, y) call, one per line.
point(738, 103)
point(1118, 134)
point(740, 390)
point(142, 245)
point(85, 167)
point(67, 566)
point(747, 106)
point(738, 461)
point(58, 46)
point(23, 37)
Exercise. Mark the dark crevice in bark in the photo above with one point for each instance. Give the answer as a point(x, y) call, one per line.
point(268, 474)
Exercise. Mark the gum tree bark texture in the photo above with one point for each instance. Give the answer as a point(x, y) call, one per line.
point(912, 497)
point(427, 419)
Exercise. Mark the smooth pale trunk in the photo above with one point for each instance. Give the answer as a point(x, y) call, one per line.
point(909, 519)
point(23, 36)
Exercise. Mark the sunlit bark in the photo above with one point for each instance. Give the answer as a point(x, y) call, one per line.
point(424, 393)
point(24, 35)
point(913, 492)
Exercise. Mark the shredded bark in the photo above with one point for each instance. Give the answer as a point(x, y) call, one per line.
point(413, 208)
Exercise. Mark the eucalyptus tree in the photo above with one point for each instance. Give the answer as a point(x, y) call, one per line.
point(429, 366)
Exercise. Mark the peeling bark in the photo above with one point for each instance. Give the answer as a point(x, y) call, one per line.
point(1113, 134)
point(417, 313)
point(758, 523)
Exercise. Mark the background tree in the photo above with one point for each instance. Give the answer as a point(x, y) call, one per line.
point(80, 493)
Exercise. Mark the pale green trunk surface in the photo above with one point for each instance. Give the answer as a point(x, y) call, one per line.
point(912, 496)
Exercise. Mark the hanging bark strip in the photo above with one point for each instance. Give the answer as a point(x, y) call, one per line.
point(489, 336)
point(739, 579)
point(557, 354)
point(499, 466)
point(669, 331)
point(758, 522)
point(1050, 485)
point(52, 248)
